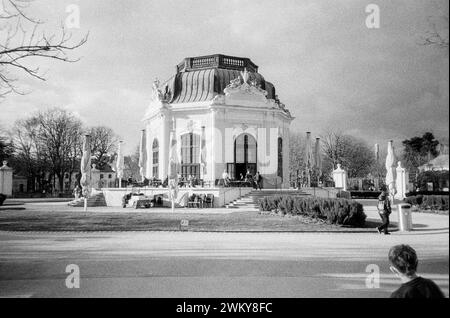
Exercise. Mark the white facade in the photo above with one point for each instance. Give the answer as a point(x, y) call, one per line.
point(243, 129)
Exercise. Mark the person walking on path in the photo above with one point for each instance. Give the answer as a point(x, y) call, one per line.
point(384, 209)
point(404, 261)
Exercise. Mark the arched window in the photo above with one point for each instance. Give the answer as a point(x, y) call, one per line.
point(190, 151)
point(280, 158)
point(155, 152)
point(245, 149)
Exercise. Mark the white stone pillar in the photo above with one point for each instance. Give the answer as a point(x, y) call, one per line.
point(261, 150)
point(213, 145)
point(149, 149)
point(401, 182)
point(340, 178)
point(164, 144)
point(229, 145)
point(6, 179)
point(286, 147)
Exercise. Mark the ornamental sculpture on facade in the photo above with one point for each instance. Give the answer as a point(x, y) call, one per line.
point(161, 94)
point(248, 85)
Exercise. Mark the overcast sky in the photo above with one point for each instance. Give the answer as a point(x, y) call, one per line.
point(329, 69)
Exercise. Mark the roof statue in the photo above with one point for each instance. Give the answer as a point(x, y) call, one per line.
point(234, 83)
point(250, 85)
point(159, 93)
point(245, 76)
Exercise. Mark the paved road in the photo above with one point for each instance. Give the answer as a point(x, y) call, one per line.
point(183, 264)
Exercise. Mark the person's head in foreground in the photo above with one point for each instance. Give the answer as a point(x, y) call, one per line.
point(404, 262)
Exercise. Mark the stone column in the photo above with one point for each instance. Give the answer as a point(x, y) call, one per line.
point(164, 143)
point(376, 182)
point(340, 178)
point(261, 150)
point(6, 179)
point(360, 184)
point(213, 145)
point(149, 150)
point(401, 182)
point(286, 147)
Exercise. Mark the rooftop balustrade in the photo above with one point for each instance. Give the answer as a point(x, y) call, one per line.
point(216, 61)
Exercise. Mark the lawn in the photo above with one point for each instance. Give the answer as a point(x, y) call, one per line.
point(23, 220)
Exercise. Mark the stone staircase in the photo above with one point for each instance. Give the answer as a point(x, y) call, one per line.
point(94, 200)
point(250, 201)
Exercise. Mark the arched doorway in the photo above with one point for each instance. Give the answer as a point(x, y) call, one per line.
point(245, 155)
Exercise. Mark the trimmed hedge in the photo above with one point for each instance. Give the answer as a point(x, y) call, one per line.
point(333, 211)
point(365, 194)
point(358, 194)
point(344, 195)
point(413, 194)
point(429, 202)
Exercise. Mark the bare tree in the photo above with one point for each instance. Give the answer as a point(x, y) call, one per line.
point(58, 133)
point(29, 157)
point(24, 40)
point(296, 153)
point(103, 143)
point(131, 164)
point(352, 153)
point(49, 143)
point(6, 146)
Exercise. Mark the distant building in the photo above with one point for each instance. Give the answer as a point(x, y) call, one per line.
point(104, 177)
point(440, 163)
point(20, 184)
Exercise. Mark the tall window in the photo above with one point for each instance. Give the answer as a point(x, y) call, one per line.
point(190, 151)
point(155, 151)
point(280, 158)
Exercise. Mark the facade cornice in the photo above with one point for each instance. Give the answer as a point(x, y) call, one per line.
point(154, 112)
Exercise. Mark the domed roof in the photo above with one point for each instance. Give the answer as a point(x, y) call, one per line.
point(202, 78)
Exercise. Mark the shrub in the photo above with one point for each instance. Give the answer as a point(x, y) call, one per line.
point(344, 195)
point(365, 194)
point(269, 204)
point(416, 193)
point(333, 211)
point(439, 179)
point(2, 198)
point(429, 202)
point(414, 200)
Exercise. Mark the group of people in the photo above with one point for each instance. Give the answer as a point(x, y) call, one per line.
point(190, 181)
point(254, 181)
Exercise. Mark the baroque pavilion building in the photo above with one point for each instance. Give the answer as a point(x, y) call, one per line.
point(224, 116)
